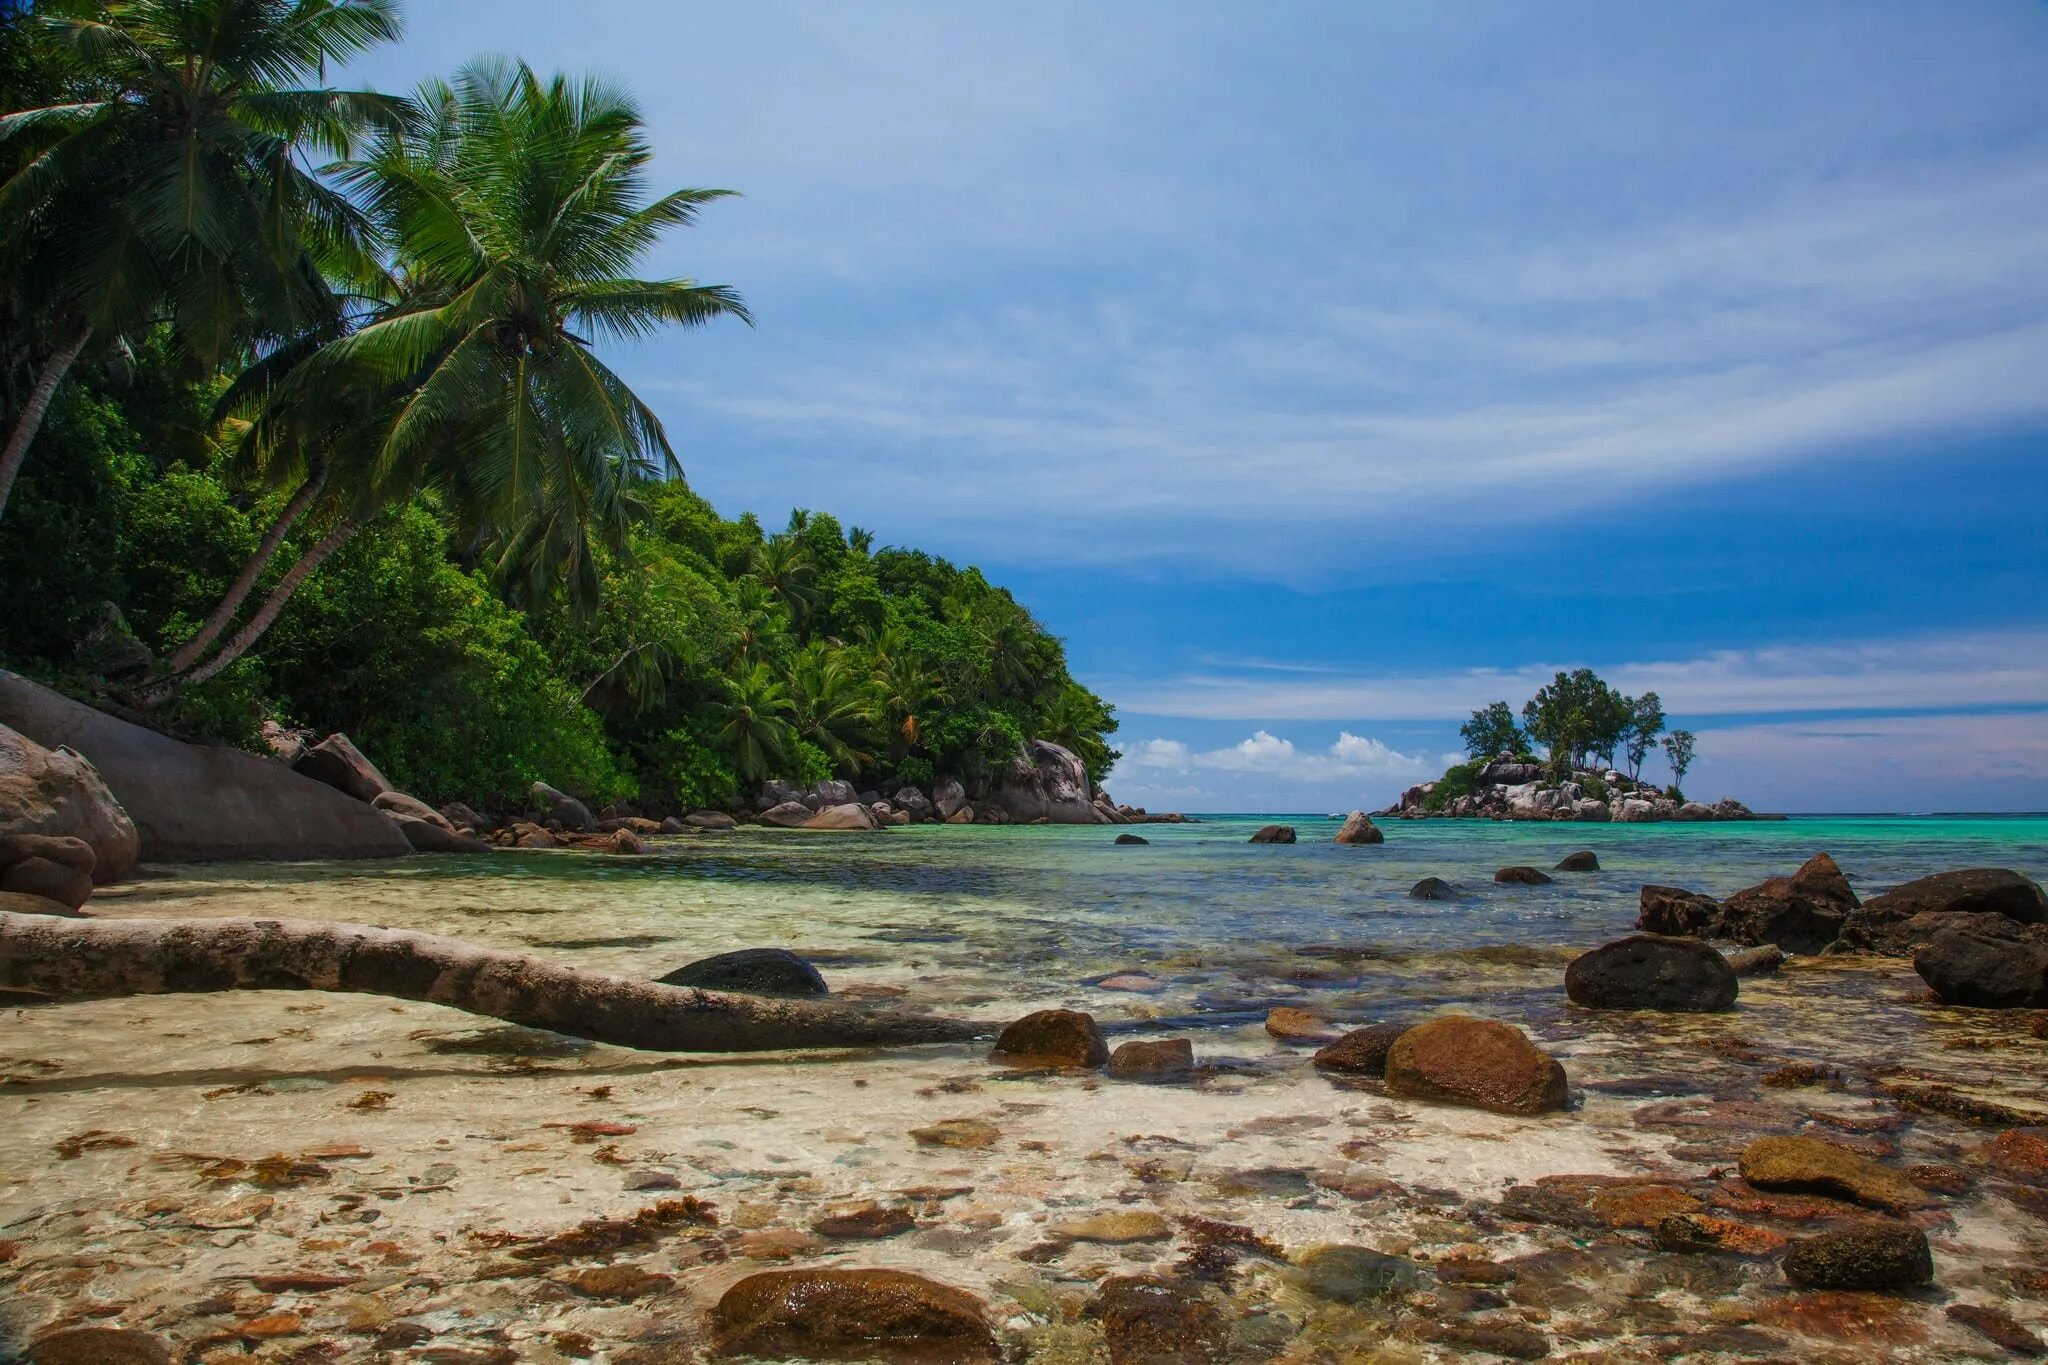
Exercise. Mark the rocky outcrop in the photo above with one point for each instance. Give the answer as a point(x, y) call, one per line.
point(949, 798)
point(1273, 834)
point(58, 794)
point(1802, 913)
point(1046, 782)
point(1651, 972)
point(194, 803)
point(1359, 829)
point(1515, 789)
point(1985, 960)
point(1973, 890)
point(337, 762)
point(848, 1314)
point(1475, 1062)
point(753, 971)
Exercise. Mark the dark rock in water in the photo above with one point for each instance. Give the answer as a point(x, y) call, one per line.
point(1432, 889)
point(1652, 972)
point(1521, 876)
point(1274, 834)
point(1292, 1024)
point(1147, 1320)
point(1975, 890)
point(99, 1346)
point(752, 971)
point(1351, 1274)
point(1475, 1062)
point(1510, 1339)
point(1361, 1052)
point(338, 763)
point(1167, 1058)
point(1055, 1038)
point(1875, 1255)
point(1132, 839)
point(1672, 911)
point(1986, 960)
point(1756, 961)
point(1802, 913)
point(1359, 829)
point(1997, 1326)
point(870, 1221)
point(852, 1314)
point(1582, 861)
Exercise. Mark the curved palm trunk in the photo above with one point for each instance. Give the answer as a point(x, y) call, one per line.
point(238, 644)
point(38, 406)
point(238, 591)
point(58, 960)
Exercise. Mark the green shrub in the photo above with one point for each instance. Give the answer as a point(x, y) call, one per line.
point(1457, 781)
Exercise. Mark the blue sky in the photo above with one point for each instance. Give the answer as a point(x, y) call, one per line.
point(1321, 372)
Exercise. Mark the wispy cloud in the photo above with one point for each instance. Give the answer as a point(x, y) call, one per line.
point(1350, 759)
point(1991, 669)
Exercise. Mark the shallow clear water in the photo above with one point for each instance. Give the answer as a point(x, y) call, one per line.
point(131, 1131)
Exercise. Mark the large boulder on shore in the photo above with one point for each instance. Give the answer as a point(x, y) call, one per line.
point(949, 798)
point(1046, 782)
point(337, 762)
point(1359, 829)
point(54, 867)
point(1052, 1038)
point(1802, 913)
point(1652, 972)
point(191, 802)
point(1671, 910)
point(1479, 1063)
point(849, 816)
point(1972, 890)
point(851, 1314)
point(55, 793)
point(563, 809)
point(1986, 960)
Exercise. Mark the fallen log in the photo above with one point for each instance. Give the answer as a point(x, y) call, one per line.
point(61, 960)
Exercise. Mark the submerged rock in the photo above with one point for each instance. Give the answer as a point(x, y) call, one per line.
point(1361, 1052)
point(1985, 960)
point(1353, 1274)
point(752, 971)
point(1876, 1255)
point(1585, 860)
point(1273, 834)
point(1475, 1062)
point(1814, 1166)
point(1652, 972)
point(851, 1314)
point(1147, 1320)
point(1521, 876)
point(868, 1221)
point(1294, 1025)
point(1359, 829)
point(1116, 1227)
point(1055, 1038)
point(1432, 889)
point(99, 1346)
point(1130, 839)
point(1169, 1057)
point(1760, 961)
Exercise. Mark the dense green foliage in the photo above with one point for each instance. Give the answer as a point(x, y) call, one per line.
point(1577, 717)
point(1492, 731)
point(334, 446)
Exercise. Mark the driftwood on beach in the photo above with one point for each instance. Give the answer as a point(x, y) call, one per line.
point(56, 960)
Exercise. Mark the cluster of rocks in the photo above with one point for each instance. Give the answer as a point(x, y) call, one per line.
point(1977, 936)
point(1517, 789)
point(1045, 784)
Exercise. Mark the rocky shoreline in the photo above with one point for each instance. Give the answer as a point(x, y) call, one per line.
point(1517, 789)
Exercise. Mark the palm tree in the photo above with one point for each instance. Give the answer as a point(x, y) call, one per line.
point(860, 540)
point(907, 691)
point(172, 186)
point(831, 705)
point(763, 625)
point(513, 209)
point(786, 569)
point(754, 733)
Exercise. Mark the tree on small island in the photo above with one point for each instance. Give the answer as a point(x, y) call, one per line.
point(1678, 749)
point(1492, 731)
point(1577, 717)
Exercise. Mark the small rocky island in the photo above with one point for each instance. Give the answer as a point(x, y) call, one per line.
point(1582, 724)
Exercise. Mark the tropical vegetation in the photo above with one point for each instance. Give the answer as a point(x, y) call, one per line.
point(1576, 717)
point(307, 419)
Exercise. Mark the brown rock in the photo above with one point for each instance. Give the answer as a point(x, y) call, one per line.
point(1877, 1255)
point(1273, 834)
point(338, 763)
point(1359, 829)
point(1585, 860)
point(622, 1282)
point(1291, 1025)
point(869, 1220)
point(1475, 1062)
point(852, 1313)
point(2017, 1154)
point(1816, 1166)
point(1147, 1320)
point(1802, 913)
point(1167, 1057)
point(1641, 1206)
point(1052, 1038)
point(964, 1133)
point(50, 791)
point(1117, 1227)
point(67, 886)
point(1521, 876)
point(99, 1346)
point(1509, 1339)
point(1998, 1327)
point(1706, 1232)
point(1679, 913)
point(1361, 1052)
